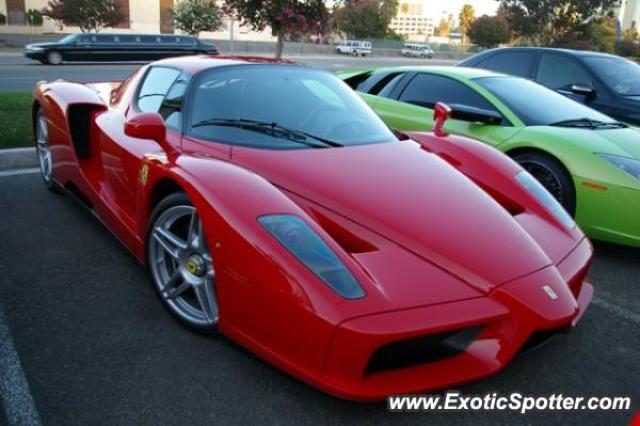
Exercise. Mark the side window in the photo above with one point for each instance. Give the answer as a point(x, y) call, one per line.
point(171, 108)
point(154, 88)
point(168, 40)
point(105, 39)
point(557, 72)
point(513, 63)
point(426, 90)
point(386, 86)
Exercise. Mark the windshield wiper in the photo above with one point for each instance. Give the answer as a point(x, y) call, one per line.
point(270, 128)
point(589, 124)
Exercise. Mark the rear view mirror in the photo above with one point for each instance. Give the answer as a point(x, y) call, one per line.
point(583, 90)
point(475, 115)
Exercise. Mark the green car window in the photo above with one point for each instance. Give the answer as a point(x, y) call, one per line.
point(426, 90)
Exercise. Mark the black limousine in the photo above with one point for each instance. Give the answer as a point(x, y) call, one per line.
point(117, 47)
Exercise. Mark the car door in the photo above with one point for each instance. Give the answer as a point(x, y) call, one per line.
point(121, 154)
point(81, 49)
point(410, 107)
point(126, 47)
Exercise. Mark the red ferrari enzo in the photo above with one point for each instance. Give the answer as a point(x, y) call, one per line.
point(271, 204)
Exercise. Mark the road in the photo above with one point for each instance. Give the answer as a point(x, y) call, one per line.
point(19, 74)
point(98, 348)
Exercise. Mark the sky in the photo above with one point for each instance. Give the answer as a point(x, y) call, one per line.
point(436, 7)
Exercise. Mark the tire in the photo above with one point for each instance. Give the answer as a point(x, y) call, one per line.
point(355, 53)
point(180, 264)
point(43, 150)
point(54, 57)
point(552, 175)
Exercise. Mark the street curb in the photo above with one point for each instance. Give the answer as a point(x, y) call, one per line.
point(18, 158)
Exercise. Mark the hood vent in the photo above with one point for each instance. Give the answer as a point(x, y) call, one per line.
point(346, 239)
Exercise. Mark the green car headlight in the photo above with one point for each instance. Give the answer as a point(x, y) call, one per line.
point(545, 198)
point(627, 165)
point(306, 245)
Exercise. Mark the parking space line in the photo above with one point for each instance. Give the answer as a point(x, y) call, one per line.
point(617, 310)
point(17, 172)
point(18, 403)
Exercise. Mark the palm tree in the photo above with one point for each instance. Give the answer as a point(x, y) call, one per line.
point(466, 18)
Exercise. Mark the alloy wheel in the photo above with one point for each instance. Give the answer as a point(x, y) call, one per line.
point(42, 146)
point(182, 267)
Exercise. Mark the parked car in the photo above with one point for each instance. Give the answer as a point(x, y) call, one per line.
point(360, 263)
point(604, 82)
point(116, 47)
point(417, 50)
point(588, 161)
point(355, 48)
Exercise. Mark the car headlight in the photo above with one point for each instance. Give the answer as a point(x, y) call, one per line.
point(306, 245)
point(628, 165)
point(545, 198)
point(34, 48)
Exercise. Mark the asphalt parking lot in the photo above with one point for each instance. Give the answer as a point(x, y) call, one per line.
point(97, 347)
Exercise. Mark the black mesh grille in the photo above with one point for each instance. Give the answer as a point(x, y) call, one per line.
point(538, 339)
point(421, 350)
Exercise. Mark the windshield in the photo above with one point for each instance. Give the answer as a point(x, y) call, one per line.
point(68, 39)
point(536, 105)
point(620, 75)
point(278, 106)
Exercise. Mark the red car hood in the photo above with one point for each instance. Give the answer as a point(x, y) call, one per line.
point(413, 198)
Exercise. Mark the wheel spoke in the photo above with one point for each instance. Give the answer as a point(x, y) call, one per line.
point(207, 300)
point(194, 230)
point(211, 272)
point(176, 291)
point(169, 241)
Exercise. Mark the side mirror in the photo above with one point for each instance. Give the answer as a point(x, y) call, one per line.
point(583, 90)
point(146, 125)
point(475, 115)
point(441, 114)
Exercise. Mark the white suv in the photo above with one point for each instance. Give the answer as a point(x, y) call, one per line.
point(417, 50)
point(355, 48)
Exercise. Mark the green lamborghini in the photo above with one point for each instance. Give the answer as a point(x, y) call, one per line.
point(587, 160)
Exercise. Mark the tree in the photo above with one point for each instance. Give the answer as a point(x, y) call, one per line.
point(546, 22)
point(489, 31)
point(3, 19)
point(365, 18)
point(33, 17)
point(89, 15)
point(466, 18)
point(444, 26)
point(196, 16)
point(285, 17)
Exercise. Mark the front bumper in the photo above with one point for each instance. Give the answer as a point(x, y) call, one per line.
point(38, 55)
point(508, 317)
point(608, 212)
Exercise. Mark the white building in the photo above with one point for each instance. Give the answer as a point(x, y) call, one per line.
point(413, 21)
point(629, 14)
point(141, 16)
